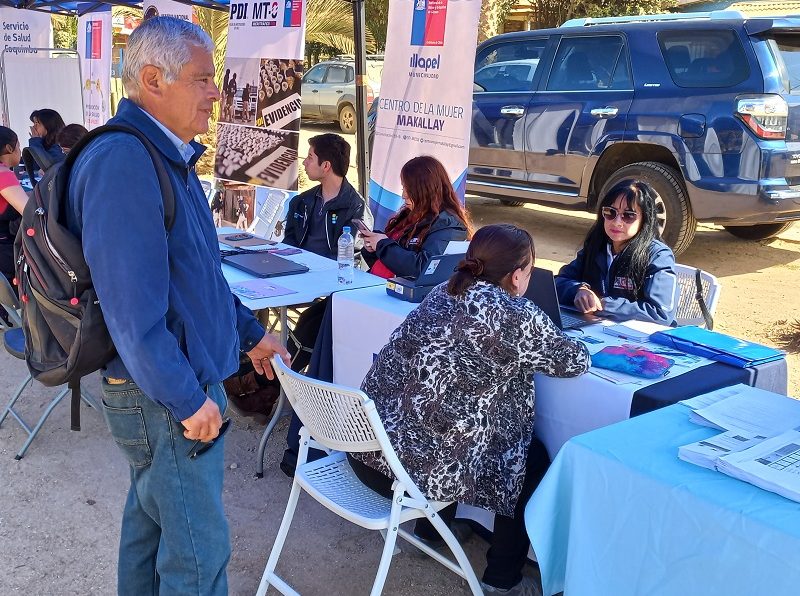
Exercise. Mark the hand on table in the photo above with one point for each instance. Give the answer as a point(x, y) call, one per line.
point(204, 424)
point(371, 240)
point(587, 301)
point(268, 347)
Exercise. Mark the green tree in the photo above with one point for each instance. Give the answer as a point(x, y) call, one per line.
point(65, 32)
point(551, 13)
point(377, 16)
point(493, 15)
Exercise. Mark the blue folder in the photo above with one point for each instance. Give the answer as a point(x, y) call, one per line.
point(716, 346)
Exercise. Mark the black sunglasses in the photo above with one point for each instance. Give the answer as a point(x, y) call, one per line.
point(199, 447)
point(611, 213)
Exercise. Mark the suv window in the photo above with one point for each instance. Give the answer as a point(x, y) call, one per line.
point(786, 51)
point(590, 63)
point(351, 74)
point(508, 66)
point(704, 58)
point(336, 74)
point(316, 74)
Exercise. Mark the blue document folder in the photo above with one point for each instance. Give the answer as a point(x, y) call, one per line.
point(716, 346)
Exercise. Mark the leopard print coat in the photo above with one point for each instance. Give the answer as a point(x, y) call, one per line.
point(454, 389)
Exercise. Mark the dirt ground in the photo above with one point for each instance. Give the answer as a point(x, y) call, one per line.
point(60, 506)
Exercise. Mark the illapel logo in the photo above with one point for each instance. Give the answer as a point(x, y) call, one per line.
point(425, 64)
point(428, 22)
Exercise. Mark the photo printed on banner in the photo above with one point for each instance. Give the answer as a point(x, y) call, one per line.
point(279, 94)
point(238, 91)
point(257, 156)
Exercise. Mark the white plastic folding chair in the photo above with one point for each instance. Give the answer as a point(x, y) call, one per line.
point(689, 311)
point(342, 419)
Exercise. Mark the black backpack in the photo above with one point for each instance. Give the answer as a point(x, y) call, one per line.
point(66, 336)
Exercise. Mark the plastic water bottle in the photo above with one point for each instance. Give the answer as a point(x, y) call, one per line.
point(345, 257)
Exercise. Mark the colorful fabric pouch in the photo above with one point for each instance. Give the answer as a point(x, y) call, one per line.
point(638, 363)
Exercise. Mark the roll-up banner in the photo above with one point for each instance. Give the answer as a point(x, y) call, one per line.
point(259, 126)
point(94, 48)
point(167, 8)
point(425, 104)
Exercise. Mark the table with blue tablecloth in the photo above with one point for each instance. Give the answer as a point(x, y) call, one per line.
point(618, 513)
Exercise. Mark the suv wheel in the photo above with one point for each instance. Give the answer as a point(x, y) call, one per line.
point(347, 119)
point(758, 232)
point(676, 221)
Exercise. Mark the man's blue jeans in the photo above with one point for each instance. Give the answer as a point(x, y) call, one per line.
point(174, 533)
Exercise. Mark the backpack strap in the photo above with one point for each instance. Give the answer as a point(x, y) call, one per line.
point(701, 302)
point(167, 192)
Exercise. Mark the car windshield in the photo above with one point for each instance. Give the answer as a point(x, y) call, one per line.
point(786, 50)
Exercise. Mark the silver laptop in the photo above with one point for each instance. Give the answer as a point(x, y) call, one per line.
point(542, 292)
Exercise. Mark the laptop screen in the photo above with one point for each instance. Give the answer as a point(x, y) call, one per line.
point(542, 292)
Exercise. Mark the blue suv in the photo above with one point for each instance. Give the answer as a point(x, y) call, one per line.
point(705, 107)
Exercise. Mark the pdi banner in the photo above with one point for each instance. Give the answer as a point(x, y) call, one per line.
point(425, 103)
point(167, 8)
point(94, 48)
point(259, 125)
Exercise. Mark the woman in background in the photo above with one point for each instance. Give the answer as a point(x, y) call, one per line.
point(47, 124)
point(454, 388)
point(429, 219)
point(69, 136)
point(12, 199)
point(623, 269)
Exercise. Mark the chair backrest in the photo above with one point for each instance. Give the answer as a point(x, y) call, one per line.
point(336, 416)
point(689, 312)
point(341, 418)
point(9, 301)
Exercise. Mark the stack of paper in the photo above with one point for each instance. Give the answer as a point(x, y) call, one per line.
point(633, 330)
point(773, 464)
point(761, 444)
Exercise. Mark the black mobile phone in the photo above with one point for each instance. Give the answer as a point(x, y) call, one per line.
point(362, 227)
point(238, 237)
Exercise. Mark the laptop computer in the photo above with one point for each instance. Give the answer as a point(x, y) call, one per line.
point(437, 270)
point(264, 264)
point(542, 292)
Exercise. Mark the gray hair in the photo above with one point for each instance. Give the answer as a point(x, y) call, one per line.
point(163, 42)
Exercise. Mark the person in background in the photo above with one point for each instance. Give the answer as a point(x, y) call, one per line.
point(230, 97)
point(314, 222)
point(623, 270)
point(246, 103)
point(317, 216)
point(12, 201)
point(69, 136)
point(242, 207)
point(454, 388)
point(430, 218)
point(217, 204)
point(47, 124)
point(177, 329)
point(224, 93)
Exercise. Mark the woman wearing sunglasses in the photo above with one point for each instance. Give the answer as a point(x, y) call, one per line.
point(623, 270)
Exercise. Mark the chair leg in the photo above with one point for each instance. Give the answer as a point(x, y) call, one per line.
point(9, 408)
point(458, 552)
point(35, 431)
point(277, 546)
point(389, 543)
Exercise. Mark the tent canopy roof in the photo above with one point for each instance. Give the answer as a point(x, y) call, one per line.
point(78, 8)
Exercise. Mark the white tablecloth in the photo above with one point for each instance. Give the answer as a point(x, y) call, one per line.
point(364, 319)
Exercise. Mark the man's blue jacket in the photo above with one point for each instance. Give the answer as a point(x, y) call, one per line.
point(170, 312)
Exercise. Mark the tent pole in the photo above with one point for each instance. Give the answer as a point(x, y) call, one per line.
point(362, 149)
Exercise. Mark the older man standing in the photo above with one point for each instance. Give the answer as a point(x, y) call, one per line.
point(176, 326)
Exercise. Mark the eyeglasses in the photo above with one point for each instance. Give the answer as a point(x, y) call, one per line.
point(611, 213)
point(199, 447)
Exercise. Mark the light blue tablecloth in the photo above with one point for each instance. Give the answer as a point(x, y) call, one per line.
point(619, 514)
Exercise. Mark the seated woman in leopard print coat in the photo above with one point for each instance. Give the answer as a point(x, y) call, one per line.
point(454, 389)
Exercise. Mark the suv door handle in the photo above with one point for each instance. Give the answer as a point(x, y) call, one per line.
point(604, 112)
point(512, 111)
point(339, 91)
point(315, 91)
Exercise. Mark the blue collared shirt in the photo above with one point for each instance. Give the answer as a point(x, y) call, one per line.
point(185, 149)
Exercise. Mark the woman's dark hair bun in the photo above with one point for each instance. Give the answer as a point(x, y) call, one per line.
point(472, 266)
